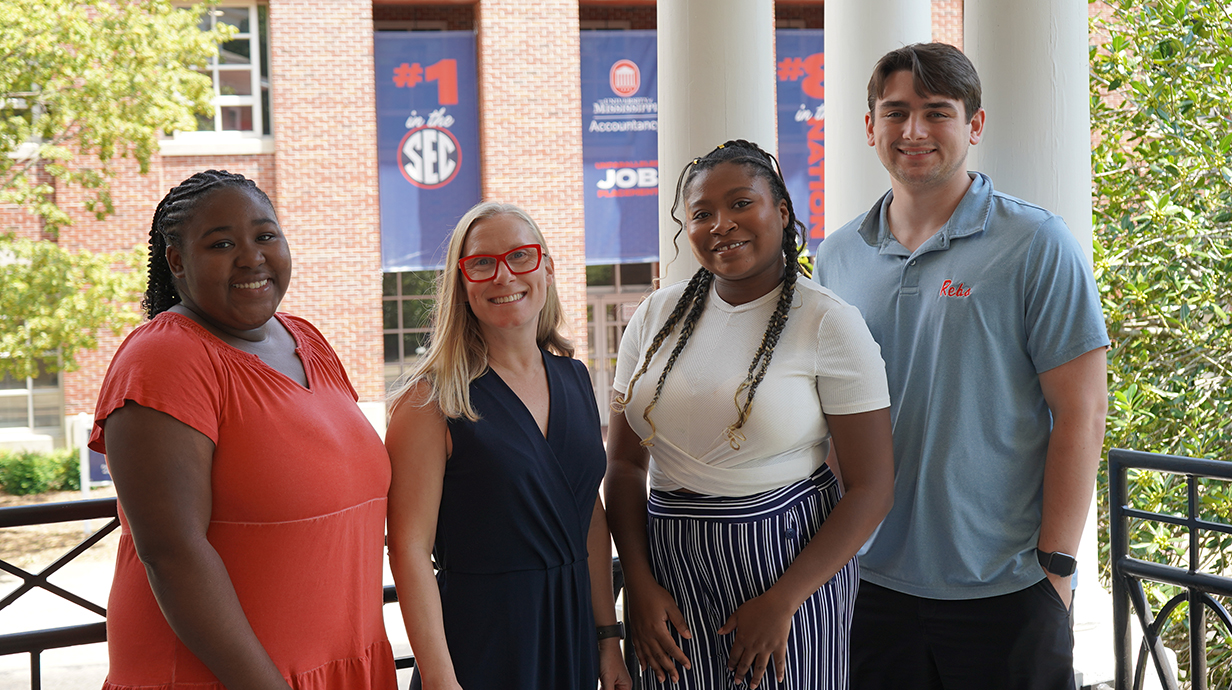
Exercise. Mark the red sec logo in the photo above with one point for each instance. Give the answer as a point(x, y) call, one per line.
point(429, 157)
point(625, 78)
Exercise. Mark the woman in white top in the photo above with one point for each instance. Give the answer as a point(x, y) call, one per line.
point(740, 568)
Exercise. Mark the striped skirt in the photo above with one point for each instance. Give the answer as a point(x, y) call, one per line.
point(713, 553)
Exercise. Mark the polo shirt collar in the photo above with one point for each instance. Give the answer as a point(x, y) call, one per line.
point(969, 217)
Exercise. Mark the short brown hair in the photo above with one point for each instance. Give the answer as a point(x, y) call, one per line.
point(936, 68)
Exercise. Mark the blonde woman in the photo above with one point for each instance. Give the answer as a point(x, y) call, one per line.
point(497, 457)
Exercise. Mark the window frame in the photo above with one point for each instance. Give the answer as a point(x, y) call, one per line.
point(220, 141)
point(393, 369)
point(30, 391)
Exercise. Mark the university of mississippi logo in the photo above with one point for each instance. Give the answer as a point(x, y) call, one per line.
point(625, 78)
point(949, 289)
point(429, 157)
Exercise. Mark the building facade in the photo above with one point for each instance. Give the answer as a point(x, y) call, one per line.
point(295, 111)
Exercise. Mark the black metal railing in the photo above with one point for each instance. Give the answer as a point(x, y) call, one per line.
point(1128, 573)
point(35, 642)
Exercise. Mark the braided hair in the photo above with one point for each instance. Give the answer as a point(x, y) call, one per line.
point(175, 209)
point(691, 303)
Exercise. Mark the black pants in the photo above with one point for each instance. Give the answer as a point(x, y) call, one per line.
point(1017, 641)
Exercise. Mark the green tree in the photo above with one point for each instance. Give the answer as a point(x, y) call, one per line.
point(1161, 113)
point(83, 82)
point(53, 302)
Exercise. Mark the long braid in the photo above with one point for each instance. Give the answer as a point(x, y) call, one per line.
point(682, 305)
point(764, 165)
point(778, 321)
point(172, 211)
point(703, 279)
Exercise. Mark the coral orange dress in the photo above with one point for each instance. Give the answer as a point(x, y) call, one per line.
point(298, 517)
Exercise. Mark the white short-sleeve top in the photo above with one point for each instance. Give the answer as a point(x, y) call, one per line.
point(825, 361)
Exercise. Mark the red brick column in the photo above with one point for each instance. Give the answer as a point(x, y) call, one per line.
point(530, 131)
point(324, 124)
point(948, 22)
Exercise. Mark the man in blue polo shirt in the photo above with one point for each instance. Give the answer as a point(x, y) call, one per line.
point(990, 326)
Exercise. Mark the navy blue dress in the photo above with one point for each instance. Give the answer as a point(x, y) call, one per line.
point(511, 537)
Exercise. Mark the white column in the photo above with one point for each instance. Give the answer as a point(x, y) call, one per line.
point(1032, 60)
point(858, 33)
point(716, 82)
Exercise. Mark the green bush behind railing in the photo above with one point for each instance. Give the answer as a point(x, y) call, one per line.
point(1161, 158)
point(34, 472)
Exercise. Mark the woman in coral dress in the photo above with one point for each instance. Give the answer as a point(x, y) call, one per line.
point(251, 487)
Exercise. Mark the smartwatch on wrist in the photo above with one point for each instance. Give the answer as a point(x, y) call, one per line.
point(603, 632)
point(1057, 563)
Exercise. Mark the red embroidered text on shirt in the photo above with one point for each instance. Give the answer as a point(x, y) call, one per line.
point(948, 289)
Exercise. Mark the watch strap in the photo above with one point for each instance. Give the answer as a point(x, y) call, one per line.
point(604, 632)
point(1057, 563)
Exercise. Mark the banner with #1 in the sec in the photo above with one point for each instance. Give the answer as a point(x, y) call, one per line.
point(427, 112)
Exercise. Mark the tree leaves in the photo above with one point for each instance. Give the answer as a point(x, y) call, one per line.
point(83, 82)
point(1161, 114)
point(53, 302)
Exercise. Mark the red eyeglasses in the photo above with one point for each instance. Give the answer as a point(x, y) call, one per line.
point(480, 268)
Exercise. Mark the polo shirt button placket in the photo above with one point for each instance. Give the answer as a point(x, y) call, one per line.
point(911, 279)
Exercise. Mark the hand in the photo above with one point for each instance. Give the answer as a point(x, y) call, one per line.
point(761, 625)
point(1063, 587)
point(612, 672)
point(651, 609)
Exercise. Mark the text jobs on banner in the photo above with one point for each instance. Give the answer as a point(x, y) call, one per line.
point(620, 146)
point(428, 136)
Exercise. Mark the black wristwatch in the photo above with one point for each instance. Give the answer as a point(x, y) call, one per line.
point(1057, 563)
point(603, 632)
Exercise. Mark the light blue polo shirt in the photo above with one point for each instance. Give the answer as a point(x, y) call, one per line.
point(966, 323)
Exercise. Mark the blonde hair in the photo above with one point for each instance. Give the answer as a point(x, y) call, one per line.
point(457, 354)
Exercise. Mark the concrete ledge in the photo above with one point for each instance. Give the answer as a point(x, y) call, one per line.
point(215, 144)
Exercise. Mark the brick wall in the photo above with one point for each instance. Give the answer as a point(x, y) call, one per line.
point(135, 196)
point(20, 221)
point(948, 22)
point(325, 155)
point(530, 131)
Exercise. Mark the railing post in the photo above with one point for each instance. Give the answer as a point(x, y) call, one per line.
point(1197, 639)
point(1118, 533)
point(1197, 607)
point(36, 670)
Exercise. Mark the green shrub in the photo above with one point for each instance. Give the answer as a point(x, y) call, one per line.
point(34, 472)
point(68, 469)
point(1161, 85)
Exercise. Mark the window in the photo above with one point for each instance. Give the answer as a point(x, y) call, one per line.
point(406, 305)
point(613, 292)
point(240, 72)
point(31, 403)
point(241, 121)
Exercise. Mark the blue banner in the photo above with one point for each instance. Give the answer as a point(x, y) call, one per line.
point(801, 76)
point(620, 146)
point(427, 113)
point(98, 468)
